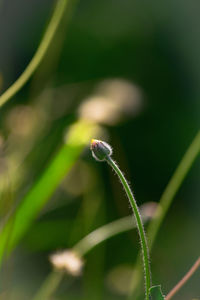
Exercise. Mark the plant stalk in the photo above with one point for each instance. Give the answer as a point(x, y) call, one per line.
point(40, 53)
point(145, 251)
point(187, 276)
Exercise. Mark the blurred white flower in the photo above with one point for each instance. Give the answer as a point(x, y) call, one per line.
point(112, 100)
point(67, 260)
point(125, 94)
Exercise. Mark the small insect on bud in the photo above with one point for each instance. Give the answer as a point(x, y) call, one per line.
point(100, 150)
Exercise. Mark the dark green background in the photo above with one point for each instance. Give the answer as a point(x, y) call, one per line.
point(152, 44)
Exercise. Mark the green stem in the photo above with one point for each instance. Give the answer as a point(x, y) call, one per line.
point(145, 252)
point(39, 55)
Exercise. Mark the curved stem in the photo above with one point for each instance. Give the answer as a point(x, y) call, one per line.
point(145, 251)
point(187, 276)
point(105, 232)
point(40, 53)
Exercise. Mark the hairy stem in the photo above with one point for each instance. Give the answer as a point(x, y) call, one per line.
point(39, 55)
point(145, 252)
point(187, 276)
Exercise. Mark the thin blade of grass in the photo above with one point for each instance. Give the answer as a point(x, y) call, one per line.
point(173, 187)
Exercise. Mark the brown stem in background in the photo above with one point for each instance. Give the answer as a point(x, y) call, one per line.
point(183, 280)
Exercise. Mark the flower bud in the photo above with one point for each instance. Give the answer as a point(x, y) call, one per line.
point(100, 150)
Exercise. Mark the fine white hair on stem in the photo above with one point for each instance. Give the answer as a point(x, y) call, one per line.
point(101, 150)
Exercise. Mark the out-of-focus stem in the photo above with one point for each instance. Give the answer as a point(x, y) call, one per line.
point(49, 286)
point(187, 276)
point(105, 232)
point(172, 188)
point(40, 53)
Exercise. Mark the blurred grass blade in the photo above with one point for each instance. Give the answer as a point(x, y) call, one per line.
point(79, 135)
point(172, 188)
point(40, 53)
point(156, 293)
point(165, 202)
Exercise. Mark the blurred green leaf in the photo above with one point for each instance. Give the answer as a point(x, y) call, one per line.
point(156, 293)
point(78, 137)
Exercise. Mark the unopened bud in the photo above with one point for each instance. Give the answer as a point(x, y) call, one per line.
point(100, 150)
